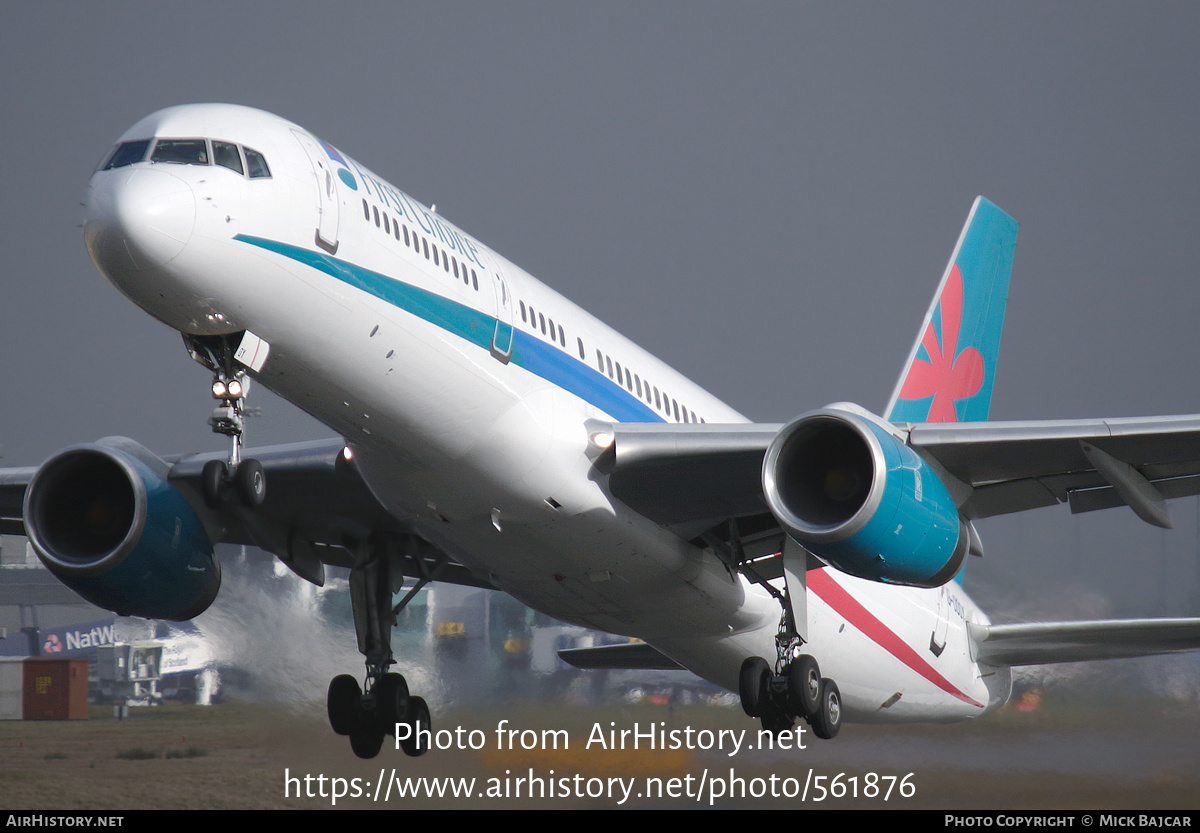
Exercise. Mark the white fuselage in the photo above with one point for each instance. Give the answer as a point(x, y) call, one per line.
point(477, 436)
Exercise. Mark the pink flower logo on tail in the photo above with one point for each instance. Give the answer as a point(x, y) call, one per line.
point(945, 377)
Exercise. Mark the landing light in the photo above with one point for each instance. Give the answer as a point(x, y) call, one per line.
point(232, 389)
point(602, 439)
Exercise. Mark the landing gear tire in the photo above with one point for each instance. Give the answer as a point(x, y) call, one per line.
point(754, 686)
point(828, 719)
point(212, 483)
point(392, 701)
point(367, 742)
point(417, 742)
point(344, 704)
point(251, 483)
point(804, 686)
point(777, 723)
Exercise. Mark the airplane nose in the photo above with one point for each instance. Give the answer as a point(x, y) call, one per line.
point(138, 219)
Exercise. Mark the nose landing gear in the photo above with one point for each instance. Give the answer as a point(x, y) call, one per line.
point(243, 478)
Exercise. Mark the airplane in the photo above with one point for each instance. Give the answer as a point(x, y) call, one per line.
point(493, 434)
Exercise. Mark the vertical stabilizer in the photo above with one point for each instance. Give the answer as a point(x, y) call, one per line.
point(950, 369)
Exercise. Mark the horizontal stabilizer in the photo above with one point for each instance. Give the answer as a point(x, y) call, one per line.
point(637, 655)
point(1049, 642)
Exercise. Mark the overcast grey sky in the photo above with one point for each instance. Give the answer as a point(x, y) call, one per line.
point(764, 194)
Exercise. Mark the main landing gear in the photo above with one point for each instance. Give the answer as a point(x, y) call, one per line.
point(383, 705)
point(796, 689)
point(800, 691)
point(386, 709)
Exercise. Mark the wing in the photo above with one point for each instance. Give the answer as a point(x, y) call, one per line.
point(1089, 464)
point(690, 475)
point(317, 508)
point(687, 473)
point(1050, 642)
point(12, 497)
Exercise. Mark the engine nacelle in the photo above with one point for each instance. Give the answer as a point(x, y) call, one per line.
point(104, 519)
point(842, 485)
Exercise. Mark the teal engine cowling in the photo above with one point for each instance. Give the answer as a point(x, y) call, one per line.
point(856, 496)
point(105, 520)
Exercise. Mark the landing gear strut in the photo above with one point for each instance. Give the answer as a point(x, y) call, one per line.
point(218, 479)
point(796, 688)
point(383, 705)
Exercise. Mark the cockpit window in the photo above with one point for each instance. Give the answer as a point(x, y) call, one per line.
point(257, 164)
point(226, 155)
point(181, 151)
point(127, 153)
point(191, 152)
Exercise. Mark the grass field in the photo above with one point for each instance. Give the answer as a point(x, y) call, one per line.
point(235, 756)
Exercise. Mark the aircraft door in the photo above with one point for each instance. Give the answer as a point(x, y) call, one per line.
point(327, 197)
point(502, 339)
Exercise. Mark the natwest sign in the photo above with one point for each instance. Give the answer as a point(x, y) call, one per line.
point(75, 639)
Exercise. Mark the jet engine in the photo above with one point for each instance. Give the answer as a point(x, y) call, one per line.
point(104, 519)
point(847, 489)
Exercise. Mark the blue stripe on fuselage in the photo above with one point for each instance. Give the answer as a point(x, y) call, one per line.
point(529, 352)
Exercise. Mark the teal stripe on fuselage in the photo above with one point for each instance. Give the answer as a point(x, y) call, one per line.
point(529, 352)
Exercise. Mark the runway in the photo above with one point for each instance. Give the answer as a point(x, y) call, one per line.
point(1135, 754)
